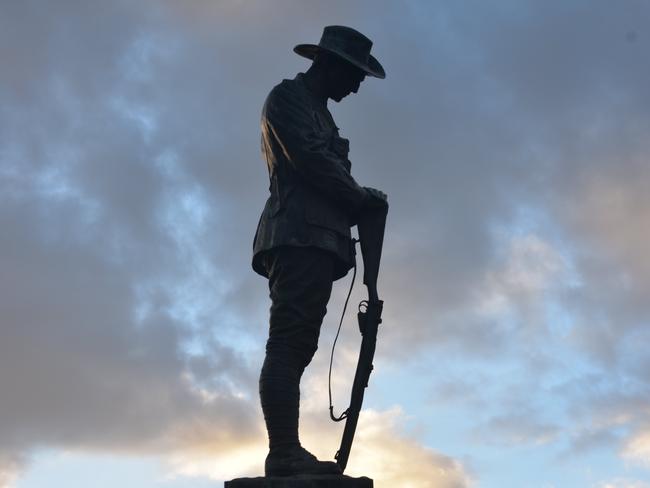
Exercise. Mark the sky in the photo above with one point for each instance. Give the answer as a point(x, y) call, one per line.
point(511, 138)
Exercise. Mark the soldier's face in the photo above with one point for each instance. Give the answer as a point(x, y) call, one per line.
point(345, 79)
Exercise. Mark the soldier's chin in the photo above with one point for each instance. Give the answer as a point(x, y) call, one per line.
point(337, 98)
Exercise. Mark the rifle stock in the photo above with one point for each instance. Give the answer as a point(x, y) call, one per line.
point(371, 227)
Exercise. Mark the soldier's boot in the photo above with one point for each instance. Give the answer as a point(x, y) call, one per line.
point(294, 460)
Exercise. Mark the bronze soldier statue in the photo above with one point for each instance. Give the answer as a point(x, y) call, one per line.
point(303, 241)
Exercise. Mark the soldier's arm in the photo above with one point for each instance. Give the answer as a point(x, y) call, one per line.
point(290, 123)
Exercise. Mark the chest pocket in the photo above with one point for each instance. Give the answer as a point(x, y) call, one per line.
point(323, 122)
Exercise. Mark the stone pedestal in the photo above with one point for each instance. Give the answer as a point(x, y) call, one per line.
point(301, 481)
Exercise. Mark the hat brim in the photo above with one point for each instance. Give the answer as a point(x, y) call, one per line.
point(372, 68)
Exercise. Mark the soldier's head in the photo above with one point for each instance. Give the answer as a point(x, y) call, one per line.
point(342, 60)
point(339, 77)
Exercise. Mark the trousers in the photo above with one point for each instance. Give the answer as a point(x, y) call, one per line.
point(300, 285)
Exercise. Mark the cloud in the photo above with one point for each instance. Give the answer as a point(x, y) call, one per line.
point(382, 448)
point(522, 428)
point(623, 483)
point(11, 464)
point(396, 460)
point(106, 269)
point(637, 447)
point(73, 346)
point(512, 143)
point(380, 451)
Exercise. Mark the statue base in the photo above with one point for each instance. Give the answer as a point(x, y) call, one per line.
point(301, 481)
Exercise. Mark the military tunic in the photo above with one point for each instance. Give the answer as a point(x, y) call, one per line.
point(314, 199)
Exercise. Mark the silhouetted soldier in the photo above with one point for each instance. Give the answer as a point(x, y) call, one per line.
point(303, 241)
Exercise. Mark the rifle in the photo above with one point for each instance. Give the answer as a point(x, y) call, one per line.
point(371, 227)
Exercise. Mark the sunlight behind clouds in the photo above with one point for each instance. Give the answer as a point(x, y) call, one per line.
point(637, 448)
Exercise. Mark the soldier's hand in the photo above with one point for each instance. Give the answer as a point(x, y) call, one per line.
point(377, 198)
